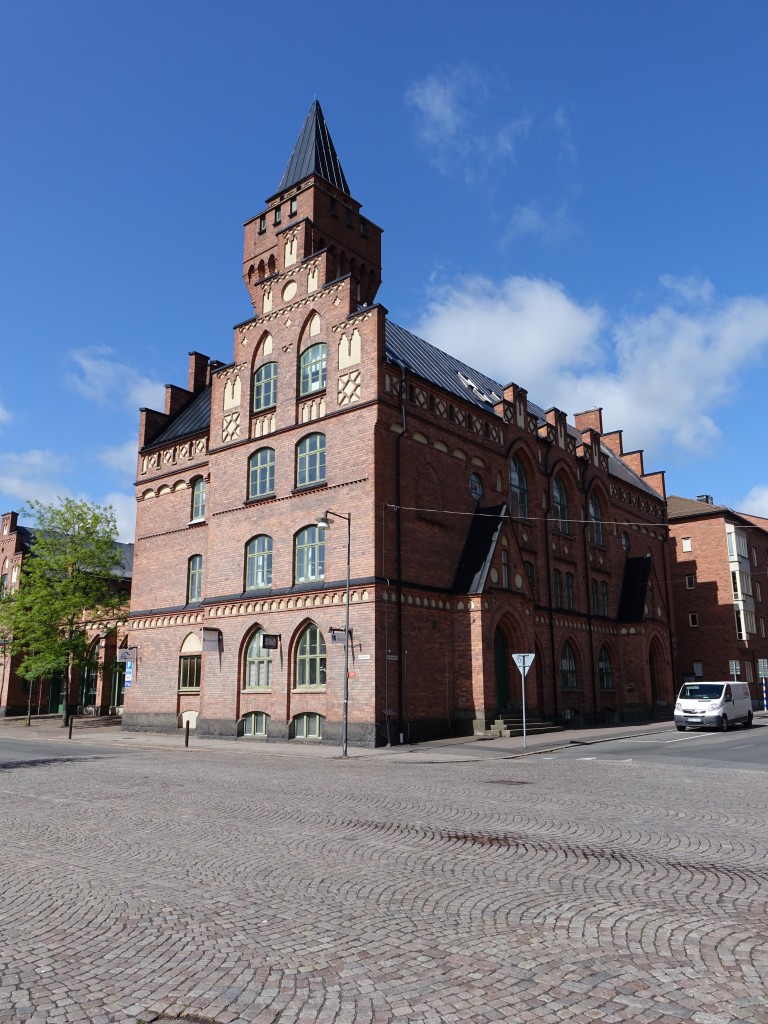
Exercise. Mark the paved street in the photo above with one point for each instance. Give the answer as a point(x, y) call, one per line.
point(151, 882)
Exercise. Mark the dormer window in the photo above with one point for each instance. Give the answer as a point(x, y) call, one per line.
point(470, 385)
point(363, 228)
point(347, 216)
point(293, 208)
point(278, 215)
point(262, 223)
point(332, 207)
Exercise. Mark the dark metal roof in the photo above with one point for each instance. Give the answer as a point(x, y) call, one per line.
point(194, 418)
point(314, 153)
point(432, 364)
point(478, 550)
point(125, 570)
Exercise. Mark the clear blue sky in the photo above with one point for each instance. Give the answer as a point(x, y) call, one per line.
point(574, 196)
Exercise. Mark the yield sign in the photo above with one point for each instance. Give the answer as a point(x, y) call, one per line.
point(523, 662)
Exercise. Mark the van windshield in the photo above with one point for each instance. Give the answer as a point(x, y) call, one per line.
point(701, 691)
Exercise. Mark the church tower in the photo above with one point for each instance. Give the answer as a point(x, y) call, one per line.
point(311, 213)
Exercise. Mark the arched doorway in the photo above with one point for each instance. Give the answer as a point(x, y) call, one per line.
point(501, 668)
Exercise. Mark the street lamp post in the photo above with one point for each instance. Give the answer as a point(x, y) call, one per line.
point(323, 523)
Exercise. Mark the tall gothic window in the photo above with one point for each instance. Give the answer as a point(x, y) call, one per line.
point(309, 564)
point(595, 521)
point(261, 473)
point(559, 506)
point(265, 387)
point(258, 563)
point(518, 489)
point(198, 498)
point(312, 369)
point(568, 677)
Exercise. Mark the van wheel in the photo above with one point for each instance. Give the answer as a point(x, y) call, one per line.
point(680, 728)
point(748, 721)
point(724, 723)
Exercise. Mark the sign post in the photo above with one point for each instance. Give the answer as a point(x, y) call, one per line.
point(762, 671)
point(524, 662)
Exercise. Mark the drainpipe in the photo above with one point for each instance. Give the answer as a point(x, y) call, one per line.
point(549, 588)
point(670, 632)
point(398, 545)
point(584, 532)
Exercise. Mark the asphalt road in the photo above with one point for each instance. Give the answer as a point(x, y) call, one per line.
point(700, 748)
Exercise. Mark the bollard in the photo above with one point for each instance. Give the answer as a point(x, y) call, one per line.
point(71, 720)
point(186, 733)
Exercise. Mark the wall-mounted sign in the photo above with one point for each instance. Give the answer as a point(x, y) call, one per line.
point(270, 641)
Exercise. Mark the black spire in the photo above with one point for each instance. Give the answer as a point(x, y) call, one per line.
point(314, 153)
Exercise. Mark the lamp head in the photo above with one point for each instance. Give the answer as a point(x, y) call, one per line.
point(323, 522)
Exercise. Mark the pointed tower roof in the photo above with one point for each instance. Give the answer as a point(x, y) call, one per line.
point(314, 153)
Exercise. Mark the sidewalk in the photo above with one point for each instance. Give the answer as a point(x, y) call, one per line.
point(454, 749)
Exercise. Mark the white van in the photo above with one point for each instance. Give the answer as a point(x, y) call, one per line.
point(716, 705)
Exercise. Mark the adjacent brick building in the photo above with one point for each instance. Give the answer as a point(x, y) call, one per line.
point(719, 570)
point(481, 525)
point(100, 686)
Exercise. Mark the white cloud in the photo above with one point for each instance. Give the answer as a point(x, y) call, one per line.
point(451, 122)
point(125, 514)
point(756, 502)
point(5, 416)
point(32, 475)
point(107, 381)
point(660, 376)
point(121, 457)
point(562, 126)
point(690, 289)
point(523, 329)
point(552, 227)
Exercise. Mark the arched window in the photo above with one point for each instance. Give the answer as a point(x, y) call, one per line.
point(595, 521)
point(312, 368)
point(604, 597)
point(194, 578)
point(265, 387)
point(518, 489)
point(190, 663)
point(258, 563)
point(604, 669)
point(198, 498)
point(568, 676)
point(558, 595)
point(569, 599)
point(559, 506)
point(255, 723)
point(310, 658)
point(257, 669)
point(261, 473)
point(309, 562)
point(310, 460)
point(308, 727)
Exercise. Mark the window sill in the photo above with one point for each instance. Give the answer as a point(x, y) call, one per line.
point(264, 408)
point(248, 595)
point(196, 522)
point(260, 498)
point(190, 690)
point(312, 394)
point(310, 689)
point(317, 486)
point(257, 689)
point(309, 583)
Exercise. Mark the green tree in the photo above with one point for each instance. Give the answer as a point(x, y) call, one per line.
point(68, 583)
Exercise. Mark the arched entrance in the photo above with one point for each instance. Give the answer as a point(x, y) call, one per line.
point(501, 668)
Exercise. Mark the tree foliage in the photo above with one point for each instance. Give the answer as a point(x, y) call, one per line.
point(68, 582)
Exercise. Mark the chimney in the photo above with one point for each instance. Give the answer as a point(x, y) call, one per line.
point(705, 498)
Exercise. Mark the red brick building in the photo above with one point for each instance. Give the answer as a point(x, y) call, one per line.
point(100, 686)
point(480, 524)
point(720, 589)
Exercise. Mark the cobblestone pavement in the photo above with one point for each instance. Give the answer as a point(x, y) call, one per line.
point(262, 889)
